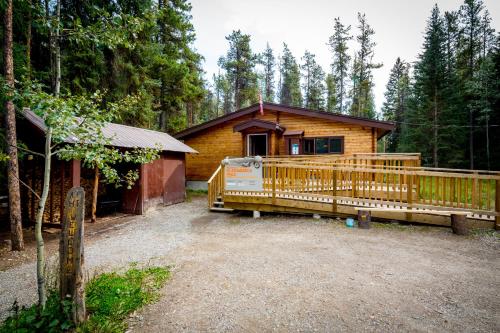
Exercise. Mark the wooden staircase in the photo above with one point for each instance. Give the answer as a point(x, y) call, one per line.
point(215, 188)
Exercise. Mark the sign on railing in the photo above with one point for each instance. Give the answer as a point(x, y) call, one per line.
point(243, 174)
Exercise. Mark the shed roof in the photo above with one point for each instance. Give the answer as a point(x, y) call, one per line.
point(126, 136)
point(383, 127)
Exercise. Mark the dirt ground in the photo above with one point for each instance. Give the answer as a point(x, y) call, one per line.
point(293, 273)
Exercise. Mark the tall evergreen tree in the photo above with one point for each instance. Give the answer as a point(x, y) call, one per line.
point(313, 82)
point(331, 93)
point(340, 65)
point(433, 105)
point(470, 17)
point(362, 95)
point(239, 64)
point(396, 101)
point(290, 93)
point(16, 232)
point(269, 62)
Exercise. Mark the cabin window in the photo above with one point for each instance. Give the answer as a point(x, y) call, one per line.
point(324, 145)
point(308, 146)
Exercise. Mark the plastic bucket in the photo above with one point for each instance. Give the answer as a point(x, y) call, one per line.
point(349, 222)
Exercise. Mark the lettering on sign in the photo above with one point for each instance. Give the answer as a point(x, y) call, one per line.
point(71, 252)
point(243, 178)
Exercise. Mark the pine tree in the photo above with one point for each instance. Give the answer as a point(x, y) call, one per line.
point(313, 86)
point(396, 101)
point(290, 93)
point(470, 17)
point(433, 105)
point(362, 95)
point(269, 63)
point(331, 93)
point(340, 65)
point(16, 232)
point(239, 64)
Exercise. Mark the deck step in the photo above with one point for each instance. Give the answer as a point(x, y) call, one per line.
point(219, 209)
point(219, 203)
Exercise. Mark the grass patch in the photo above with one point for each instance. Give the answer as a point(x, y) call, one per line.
point(190, 194)
point(110, 299)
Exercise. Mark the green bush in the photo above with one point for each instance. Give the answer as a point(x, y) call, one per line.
point(55, 317)
point(110, 298)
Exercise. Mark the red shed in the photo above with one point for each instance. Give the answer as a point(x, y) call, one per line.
point(160, 182)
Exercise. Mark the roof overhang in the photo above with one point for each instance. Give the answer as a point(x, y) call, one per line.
point(268, 125)
point(123, 136)
point(383, 127)
point(293, 133)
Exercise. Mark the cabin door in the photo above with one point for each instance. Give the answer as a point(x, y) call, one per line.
point(257, 144)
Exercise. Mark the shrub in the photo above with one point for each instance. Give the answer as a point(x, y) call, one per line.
point(110, 298)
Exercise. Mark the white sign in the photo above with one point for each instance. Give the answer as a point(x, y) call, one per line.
point(243, 178)
point(295, 149)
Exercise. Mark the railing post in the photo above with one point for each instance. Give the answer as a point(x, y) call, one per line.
point(409, 196)
point(497, 204)
point(222, 181)
point(273, 177)
point(334, 190)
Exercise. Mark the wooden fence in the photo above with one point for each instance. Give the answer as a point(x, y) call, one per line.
point(337, 187)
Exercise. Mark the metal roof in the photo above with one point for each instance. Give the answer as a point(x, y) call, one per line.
point(126, 136)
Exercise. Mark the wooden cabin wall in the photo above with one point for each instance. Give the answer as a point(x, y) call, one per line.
point(215, 143)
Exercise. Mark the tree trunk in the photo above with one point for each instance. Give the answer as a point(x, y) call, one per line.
point(57, 74)
point(40, 252)
point(10, 127)
point(28, 41)
point(95, 191)
point(435, 130)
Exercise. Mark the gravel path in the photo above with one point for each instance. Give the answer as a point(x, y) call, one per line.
point(292, 273)
point(138, 239)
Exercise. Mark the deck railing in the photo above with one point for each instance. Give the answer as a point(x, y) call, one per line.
point(325, 185)
point(215, 186)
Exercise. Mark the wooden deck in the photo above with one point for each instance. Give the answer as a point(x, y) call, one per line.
point(336, 187)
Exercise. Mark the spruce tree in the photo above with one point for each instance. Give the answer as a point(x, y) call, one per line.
point(269, 63)
point(340, 65)
point(331, 93)
point(313, 82)
point(362, 95)
point(239, 64)
point(433, 123)
point(396, 101)
point(470, 17)
point(290, 93)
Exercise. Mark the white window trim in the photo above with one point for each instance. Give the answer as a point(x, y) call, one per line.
point(248, 142)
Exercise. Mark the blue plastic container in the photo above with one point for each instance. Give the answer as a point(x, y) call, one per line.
point(349, 222)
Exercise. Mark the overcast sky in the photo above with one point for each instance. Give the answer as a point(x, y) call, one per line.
point(306, 25)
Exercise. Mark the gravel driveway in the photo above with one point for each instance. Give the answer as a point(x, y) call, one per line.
point(293, 273)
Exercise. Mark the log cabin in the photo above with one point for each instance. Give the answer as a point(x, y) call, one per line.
point(161, 182)
point(276, 130)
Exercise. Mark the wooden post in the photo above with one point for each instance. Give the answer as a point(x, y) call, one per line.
point(459, 224)
point(75, 173)
point(71, 253)
point(273, 175)
point(61, 194)
point(409, 196)
point(497, 204)
point(334, 191)
point(222, 181)
point(95, 191)
point(364, 219)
